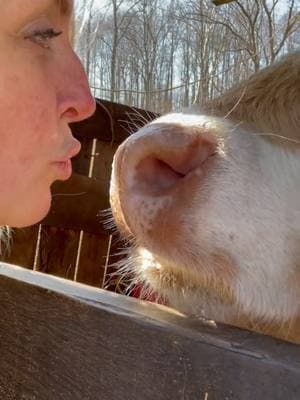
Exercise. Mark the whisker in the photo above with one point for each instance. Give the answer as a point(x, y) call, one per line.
point(236, 104)
point(277, 136)
point(131, 127)
point(68, 194)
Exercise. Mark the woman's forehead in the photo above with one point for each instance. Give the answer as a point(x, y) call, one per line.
point(65, 7)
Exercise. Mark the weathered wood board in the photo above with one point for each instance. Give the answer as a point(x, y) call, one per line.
point(65, 341)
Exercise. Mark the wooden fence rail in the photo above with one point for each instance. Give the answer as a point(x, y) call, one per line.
point(61, 340)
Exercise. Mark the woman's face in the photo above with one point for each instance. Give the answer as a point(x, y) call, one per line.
point(42, 89)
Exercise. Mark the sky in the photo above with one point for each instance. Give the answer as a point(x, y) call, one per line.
point(97, 3)
point(100, 3)
point(282, 4)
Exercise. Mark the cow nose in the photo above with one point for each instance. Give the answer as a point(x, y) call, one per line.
point(161, 164)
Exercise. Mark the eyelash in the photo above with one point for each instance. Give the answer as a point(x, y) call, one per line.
point(42, 38)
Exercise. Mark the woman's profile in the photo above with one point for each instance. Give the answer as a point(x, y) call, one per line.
point(43, 89)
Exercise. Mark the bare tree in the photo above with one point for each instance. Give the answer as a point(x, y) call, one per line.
point(167, 54)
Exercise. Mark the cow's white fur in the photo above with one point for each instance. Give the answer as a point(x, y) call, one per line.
point(231, 250)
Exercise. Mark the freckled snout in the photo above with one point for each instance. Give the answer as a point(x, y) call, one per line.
point(155, 172)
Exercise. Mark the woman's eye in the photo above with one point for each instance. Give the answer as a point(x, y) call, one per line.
point(43, 37)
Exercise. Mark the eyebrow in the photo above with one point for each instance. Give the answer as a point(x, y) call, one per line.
point(65, 7)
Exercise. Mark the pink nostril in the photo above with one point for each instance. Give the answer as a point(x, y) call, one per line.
point(167, 166)
point(156, 174)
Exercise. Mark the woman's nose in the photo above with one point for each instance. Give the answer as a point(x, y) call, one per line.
point(75, 101)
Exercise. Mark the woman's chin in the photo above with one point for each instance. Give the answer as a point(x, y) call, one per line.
point(30, 212)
